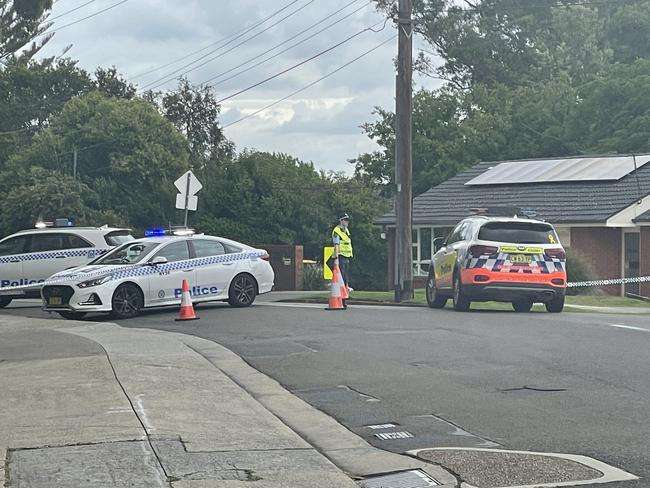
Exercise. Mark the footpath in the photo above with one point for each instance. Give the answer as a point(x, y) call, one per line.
point(90, 405)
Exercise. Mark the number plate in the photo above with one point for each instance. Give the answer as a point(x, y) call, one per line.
point(55, 301)
point(520, 258)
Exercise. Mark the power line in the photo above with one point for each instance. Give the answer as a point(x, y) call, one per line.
point(70, 11)
point(305, 61)
point(331, 73)
point(287, 40)
point(239, 33)
point(161, 81)
point(57, 29)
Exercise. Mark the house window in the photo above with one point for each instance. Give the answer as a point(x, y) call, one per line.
point(423, 247)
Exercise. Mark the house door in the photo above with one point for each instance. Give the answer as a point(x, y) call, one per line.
point(631, 259)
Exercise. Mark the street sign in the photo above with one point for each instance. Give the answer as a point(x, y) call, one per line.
point(328, 252)
point(188, 185)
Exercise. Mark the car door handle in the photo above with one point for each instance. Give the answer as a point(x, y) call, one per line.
point(14, 260)
point(228, 264)
point(188, 270)
point(60, 256)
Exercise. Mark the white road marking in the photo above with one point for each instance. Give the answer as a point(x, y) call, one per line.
point(629, 327)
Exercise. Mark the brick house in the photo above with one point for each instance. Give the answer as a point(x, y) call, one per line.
point(600, 207)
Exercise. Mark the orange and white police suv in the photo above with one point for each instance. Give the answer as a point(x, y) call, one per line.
point(503, 259)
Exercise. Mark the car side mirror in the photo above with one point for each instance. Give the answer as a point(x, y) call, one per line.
point(438, 243)
point(158, 260)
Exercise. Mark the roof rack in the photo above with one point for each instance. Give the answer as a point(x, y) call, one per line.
point(504, 212)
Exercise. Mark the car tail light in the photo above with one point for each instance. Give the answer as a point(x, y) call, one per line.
point(557, 281)
point(556, 253)
point(478, 251)
point(265, 257)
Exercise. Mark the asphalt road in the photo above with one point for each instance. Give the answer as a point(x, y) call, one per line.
point(569, 383)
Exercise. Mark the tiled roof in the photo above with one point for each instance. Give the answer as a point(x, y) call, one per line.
point(574, 202)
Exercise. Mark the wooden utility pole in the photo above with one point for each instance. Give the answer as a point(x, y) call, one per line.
point(403, 154)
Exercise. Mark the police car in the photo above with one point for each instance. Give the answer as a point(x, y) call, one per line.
point(29, 257)
point(499, 259)
point(149, 272)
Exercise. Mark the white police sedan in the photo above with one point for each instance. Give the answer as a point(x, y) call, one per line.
point(149, 273)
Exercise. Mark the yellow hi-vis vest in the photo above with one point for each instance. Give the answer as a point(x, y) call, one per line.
point(345, 242)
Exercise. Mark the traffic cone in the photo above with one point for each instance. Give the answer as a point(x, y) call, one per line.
point(187, 309)
point(345, 293)
point(335, 302)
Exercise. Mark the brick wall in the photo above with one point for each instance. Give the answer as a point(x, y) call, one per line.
point(644, 259)
point(600, 247)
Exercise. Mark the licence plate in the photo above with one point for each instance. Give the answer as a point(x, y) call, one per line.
point(521, 258)
point(55, 301)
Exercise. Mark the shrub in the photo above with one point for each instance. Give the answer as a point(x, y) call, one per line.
point(312, 275)
point(579, 270)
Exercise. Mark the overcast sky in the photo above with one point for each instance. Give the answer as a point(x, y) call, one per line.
point(320, 124)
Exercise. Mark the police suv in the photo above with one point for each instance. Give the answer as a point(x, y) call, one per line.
point(31, 256)
point(149, 272)
point(502, 259)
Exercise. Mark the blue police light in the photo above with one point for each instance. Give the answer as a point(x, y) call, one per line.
point(155, 232)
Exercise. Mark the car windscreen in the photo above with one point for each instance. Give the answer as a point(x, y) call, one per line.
point(118, 237)
point(518, 233)
point(130, 253)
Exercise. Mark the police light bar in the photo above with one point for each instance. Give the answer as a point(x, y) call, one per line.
point(155, 232)
point(57, 223)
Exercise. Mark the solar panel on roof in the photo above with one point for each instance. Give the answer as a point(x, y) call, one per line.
point(557, 170)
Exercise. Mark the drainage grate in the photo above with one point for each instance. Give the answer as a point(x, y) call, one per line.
point(405, 479)
point(390, 436)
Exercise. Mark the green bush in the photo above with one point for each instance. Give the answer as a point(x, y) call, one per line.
point(312, 276)
point(579, 270)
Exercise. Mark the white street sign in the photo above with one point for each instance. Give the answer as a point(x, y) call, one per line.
point(182, 184)
point(192, 202)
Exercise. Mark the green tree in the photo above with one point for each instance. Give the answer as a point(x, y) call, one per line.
point(20, 24)
point(127, 153)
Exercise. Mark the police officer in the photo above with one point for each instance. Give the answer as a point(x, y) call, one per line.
point(343, 247)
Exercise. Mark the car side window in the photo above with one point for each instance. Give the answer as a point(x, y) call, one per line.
point(15, 245)
point(176, 251)
point(75, 242)
point(204, 248)
point(455, 235)
point(231, 249)
point(46, 242)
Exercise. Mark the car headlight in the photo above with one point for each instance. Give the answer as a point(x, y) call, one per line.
point(94, 282)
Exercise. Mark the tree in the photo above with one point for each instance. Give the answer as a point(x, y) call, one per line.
point(111, 83)
point(20, 23)
point(194, 111)
point(128, 154)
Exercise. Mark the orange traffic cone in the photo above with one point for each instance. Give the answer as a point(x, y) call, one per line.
point(345, 293)
point(336, 302)
point(187, 309)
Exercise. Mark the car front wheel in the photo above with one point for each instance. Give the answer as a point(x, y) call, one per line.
point(127, 302)
point(461, 302)
point(4, 301)
point(243, 291)
point(556, 305)
point(522, 306)
point(434, 299)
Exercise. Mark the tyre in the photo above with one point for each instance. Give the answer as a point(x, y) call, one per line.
point(4, 301)
point(243, 291)
point(72, 315)
point(127, 301)
point(434, 299)
point(556, 305)
point(461, 302)
point(522, 306)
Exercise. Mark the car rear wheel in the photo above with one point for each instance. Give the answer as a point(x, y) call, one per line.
point(72, 315)
point(4, 301)
point(461, 302)
point(556, 305)
point(434, 299)
point(522, 306)
point(127, 301)
point(243, 291)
